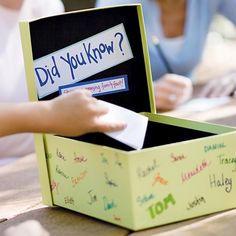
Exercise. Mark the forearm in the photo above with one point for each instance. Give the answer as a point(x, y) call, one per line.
point(73, 114)
point(23, 117)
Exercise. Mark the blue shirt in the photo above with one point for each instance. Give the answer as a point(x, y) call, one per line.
point(198, 19)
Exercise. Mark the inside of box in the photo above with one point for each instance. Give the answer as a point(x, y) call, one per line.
point(157, 134)
point(48, 35)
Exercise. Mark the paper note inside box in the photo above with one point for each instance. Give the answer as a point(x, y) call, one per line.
point(187, 172)
point(136, 124)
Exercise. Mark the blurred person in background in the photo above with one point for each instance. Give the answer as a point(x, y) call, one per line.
point(176, 34)
point(13, 83)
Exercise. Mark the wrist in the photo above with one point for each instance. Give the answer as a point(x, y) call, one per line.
point(35, 117)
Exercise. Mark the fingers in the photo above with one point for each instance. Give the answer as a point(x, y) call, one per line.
point(212, 89)
point(164, 101)
point(109, 127)
point(177, 81)
point(172, 90)
point(97, 108)
point(206, 90)
point(224, 86)
point(96, 111)
point(221, 91)
point(103, 123)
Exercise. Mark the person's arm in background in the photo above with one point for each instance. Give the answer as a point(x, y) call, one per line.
point(226, 85)
point(72, 114)
point(171, 89)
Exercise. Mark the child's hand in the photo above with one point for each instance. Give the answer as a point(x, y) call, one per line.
point(77, 113)
point(220, 87)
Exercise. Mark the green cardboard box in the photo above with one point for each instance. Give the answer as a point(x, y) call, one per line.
point(185, 169)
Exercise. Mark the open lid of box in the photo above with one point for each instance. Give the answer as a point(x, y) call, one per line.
point(103, 50)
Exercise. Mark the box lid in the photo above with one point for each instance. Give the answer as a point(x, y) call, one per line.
point(103, 50)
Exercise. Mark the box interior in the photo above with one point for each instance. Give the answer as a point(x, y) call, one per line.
point(157, 134)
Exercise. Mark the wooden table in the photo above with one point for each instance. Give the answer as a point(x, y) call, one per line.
point(20, 199)
point(224, 114)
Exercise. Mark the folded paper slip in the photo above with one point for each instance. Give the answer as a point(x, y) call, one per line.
point(133, 135)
